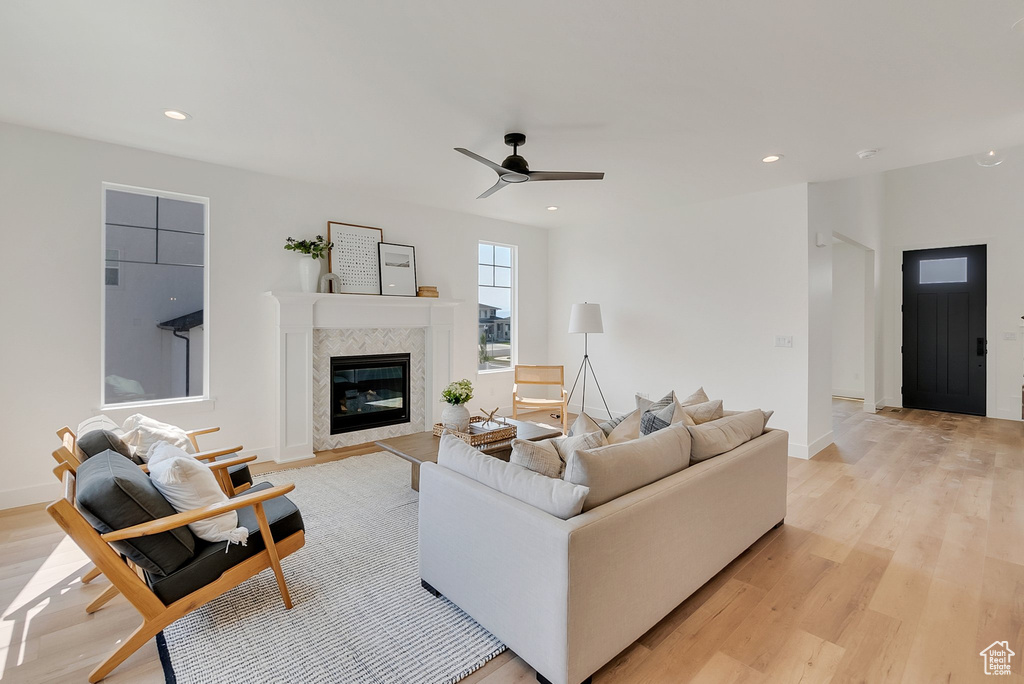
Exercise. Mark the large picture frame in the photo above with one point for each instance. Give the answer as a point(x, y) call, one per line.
point(353, 258)
point(397, 269)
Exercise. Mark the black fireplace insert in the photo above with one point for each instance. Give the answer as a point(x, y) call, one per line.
point(369, 391)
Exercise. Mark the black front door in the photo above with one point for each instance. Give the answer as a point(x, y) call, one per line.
point(944, 346)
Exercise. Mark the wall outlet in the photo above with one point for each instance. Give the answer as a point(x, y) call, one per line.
point(1012, 336)
point(784, 341)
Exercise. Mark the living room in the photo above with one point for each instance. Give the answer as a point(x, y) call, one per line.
point(741, 149)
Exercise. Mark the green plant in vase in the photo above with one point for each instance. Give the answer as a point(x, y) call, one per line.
point(455, 415)
point(309, 271)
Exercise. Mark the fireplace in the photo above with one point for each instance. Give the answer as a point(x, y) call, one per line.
point(369, 391)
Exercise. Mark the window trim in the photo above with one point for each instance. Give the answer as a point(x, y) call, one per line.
point(205, 201)
point(514, 303)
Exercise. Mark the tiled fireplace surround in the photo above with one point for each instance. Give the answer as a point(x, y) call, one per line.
point(314, 327)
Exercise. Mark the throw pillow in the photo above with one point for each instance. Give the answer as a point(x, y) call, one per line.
point(570, 443)
point(724, 434)
point(703, 412)
point(142, 432)
point(767, 415)
point(540, 457)
point(698, 397)
point(616, 469)
point(658, 415)
point(560, 499)
point(583, 424)
point(643, 403)
point(97, 441)
point(187, 484)
point(113, 493)
point(626, 428)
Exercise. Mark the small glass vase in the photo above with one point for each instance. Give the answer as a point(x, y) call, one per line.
point(455, 417)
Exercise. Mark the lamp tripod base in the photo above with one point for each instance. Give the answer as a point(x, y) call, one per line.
point(585, 367)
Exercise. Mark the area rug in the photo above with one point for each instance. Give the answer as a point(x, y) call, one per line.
point(359, 615)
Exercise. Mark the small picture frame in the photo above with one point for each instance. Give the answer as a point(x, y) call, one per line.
point(353, 257)
point(397, 269)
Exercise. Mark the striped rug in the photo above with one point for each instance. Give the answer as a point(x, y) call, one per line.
point(359, 612)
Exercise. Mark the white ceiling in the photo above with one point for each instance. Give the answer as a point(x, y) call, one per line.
point(676, 101)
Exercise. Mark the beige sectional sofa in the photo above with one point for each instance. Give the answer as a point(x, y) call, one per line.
point(568, 595)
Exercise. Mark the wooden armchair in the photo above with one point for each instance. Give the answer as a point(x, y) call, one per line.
point(162, 598)
point(541, 375)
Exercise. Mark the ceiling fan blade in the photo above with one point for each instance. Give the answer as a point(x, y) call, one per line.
point(498, 168)
point(493, 189)
point(564, 175)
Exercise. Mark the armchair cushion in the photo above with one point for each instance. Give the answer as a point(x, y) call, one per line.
point(240, 474)
point(113, 493)
point(97, 441)
point(210, 559)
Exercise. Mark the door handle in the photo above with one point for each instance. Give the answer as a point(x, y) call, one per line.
point(981, 346)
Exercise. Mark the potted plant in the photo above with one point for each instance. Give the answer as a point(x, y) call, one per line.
point(455, 415)
point(309, 270)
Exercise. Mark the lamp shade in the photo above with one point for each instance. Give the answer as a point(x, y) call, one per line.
point(585, 318)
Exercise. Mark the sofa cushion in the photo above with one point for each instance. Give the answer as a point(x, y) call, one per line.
point(703, 412)
point(724, 434)
point(570, 443)
point(560, 499)
point(113, 493)
point(97, 441)
point(767, 415)
point(540, 457)
point(698, 397)
point(616, 469)
point(211, 559)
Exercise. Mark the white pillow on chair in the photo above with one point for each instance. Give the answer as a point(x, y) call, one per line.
point(142, 432)
point(187, 484)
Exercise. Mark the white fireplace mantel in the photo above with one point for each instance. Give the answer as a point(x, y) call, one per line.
point(298, 314)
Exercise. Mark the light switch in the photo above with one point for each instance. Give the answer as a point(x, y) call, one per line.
point(1010, 336)
point(784, 341)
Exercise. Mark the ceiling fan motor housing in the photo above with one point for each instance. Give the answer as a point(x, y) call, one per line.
point(514, 162)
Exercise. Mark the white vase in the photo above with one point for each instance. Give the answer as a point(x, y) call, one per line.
point(455, 417)
point(309, 274)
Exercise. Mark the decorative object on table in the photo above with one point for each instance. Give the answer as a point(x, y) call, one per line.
point(427, 291)
point(476, 434)
point(327, 280)
point(397, 269)
point(354, 257)
point(309, 269)
point(455, 415)
point(586, 318)
point(489, 421)
point(515, 169)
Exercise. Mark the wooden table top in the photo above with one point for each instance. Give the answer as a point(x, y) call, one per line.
point(421, 447)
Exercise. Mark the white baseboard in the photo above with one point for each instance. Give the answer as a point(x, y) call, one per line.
point(805, 452)
point(848, 393)
point(25, 496)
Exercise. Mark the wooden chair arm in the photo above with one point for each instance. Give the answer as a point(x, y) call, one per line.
point(228, 462)
point(210, 455)
point(202, 431)
point(177, 520)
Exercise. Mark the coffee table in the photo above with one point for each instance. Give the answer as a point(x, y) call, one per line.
point(421, 447)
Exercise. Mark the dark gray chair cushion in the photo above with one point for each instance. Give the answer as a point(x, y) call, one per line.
point(240, 474)
point(97, 441)
point(113, 493)
point(211, 561)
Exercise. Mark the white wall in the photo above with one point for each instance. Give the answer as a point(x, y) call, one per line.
point(847, 320)
point(50, 193)
point(957, 202)
point(693, 299)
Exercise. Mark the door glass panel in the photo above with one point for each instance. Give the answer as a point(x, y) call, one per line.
point(952, 270)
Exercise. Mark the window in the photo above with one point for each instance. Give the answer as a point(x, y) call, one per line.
point(496, 297)
point(154, 295)
point(952, 270)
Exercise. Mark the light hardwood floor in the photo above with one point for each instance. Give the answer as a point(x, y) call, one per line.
point(901, 558)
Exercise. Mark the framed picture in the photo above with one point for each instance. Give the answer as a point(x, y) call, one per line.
point(353, 257)
point(397, 269)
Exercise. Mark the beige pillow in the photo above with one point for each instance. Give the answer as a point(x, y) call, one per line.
point(570, 443)
point(616, 429)
point(767, 415)
point(583, 424)
point(616, 469)
point(698, 397)
point(627, 429)
point(724, 434)
point(557, 497)
point(703, 412)
point(540, 457)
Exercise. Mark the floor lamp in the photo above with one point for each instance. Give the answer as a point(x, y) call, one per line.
point(586, 318)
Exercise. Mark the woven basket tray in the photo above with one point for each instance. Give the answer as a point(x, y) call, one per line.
point(477, 435)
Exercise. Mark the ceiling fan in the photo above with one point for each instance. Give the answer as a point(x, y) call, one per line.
point(515, 169)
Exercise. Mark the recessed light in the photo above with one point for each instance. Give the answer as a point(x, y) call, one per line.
point(1019, 26)
point(772, 158)
point(989, 159)
point(552, 208)
point(867, 154)
point(177, 114)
